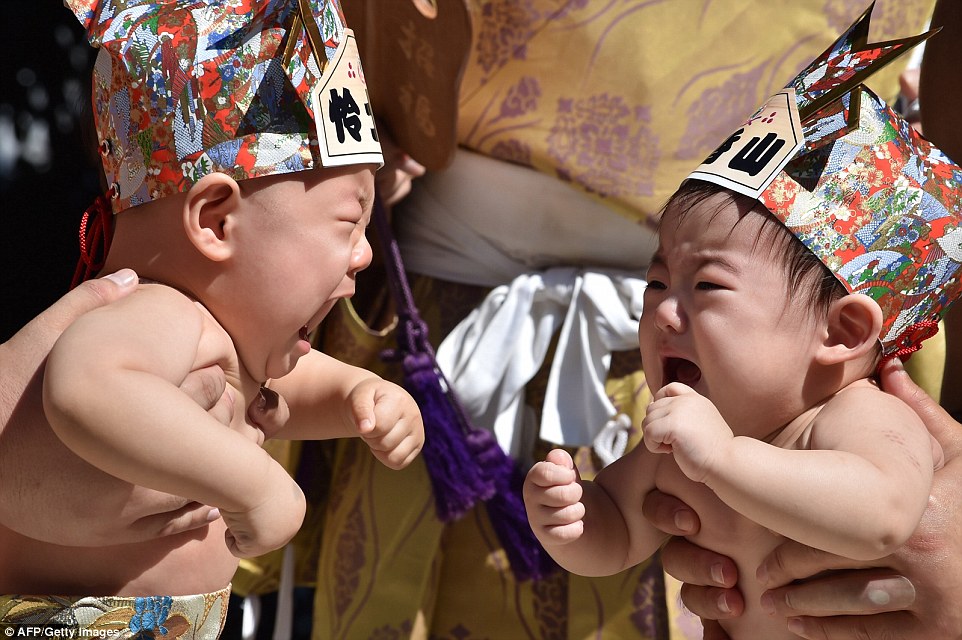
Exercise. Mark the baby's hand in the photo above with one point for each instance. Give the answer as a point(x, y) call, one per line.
point(552, 498)
point(682, 422)
point(388, 420)
point(268, 525)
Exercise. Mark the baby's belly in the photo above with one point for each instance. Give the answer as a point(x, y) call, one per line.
point(725, 531)
point(184, 564)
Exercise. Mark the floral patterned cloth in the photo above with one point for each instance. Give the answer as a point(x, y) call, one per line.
point(193, 617)
point(624, 99)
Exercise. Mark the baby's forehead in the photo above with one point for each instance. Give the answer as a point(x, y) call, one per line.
point(721, 232)
point(720, 217)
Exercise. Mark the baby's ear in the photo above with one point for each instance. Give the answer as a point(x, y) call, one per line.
point(208, 215)
point(852, 329)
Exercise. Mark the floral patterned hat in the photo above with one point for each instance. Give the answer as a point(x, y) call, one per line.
point(244, 87)
point(877, 203)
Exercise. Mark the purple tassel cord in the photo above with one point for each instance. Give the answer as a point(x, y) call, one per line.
point(466, 465)
point(456, 477)
point(506, 511)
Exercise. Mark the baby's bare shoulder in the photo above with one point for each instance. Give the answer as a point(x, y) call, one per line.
point(865, 397)
point(862, 410)
point(157, 328)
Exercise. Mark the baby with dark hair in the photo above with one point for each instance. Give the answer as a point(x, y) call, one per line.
point(819, 240)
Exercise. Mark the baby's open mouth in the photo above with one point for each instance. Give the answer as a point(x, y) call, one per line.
point(304, 333)
point(681, 370)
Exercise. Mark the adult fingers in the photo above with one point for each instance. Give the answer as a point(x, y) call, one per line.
point(879, 627)
point(896, 380)
point(191, 516)
point(394, 184)
point(712, 603)
point(393, 181)
point(713, 631)
point(38, 335)
point(792, 560)
point(669, 514)
point(695, 565)
point(863, 592)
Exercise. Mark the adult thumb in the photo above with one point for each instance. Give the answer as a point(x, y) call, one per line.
point(39, 334)
point(896, 380)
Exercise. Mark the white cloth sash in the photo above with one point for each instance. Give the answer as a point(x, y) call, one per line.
point(494, 352)
point(559, 262)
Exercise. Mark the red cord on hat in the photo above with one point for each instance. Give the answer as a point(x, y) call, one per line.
point(96, 230)
point(910, 341)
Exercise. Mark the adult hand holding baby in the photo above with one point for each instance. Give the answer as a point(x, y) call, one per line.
point(910, 594)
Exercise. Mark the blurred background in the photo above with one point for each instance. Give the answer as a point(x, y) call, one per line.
point(47, 178)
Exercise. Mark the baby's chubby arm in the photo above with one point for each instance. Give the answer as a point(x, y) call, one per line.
point(111, 395)
point(332, 399)
point(858, 491)
point(37, 470)
point(592, 528)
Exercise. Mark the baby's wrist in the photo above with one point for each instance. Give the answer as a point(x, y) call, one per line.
point(717, 467)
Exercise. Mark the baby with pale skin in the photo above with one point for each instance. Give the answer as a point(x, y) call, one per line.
point(766, 404)
point(237, 275)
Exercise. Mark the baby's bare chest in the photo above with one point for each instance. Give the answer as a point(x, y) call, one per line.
point(727, 532)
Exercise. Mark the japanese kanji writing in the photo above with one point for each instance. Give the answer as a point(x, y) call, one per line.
point(343, 113)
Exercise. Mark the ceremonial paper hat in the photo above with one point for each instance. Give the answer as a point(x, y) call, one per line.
point(244, 87)
point(877, 203)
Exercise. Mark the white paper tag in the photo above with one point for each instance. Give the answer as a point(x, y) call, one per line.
point(342, 111)
point(750, 158)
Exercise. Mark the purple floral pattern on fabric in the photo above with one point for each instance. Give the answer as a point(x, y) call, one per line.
point(651, 619)
point(512, 151)
point(604, 143)
point(718, 110)
point(889, 16)
point(550, 597)
point(503, 31)
point(350, 560)
point(388, 632)
point(521, 98)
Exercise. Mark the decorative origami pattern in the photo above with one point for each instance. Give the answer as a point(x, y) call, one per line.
point(244, 87)
point(877, 203)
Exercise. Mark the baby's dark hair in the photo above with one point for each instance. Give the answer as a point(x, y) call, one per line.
point(807, 276)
